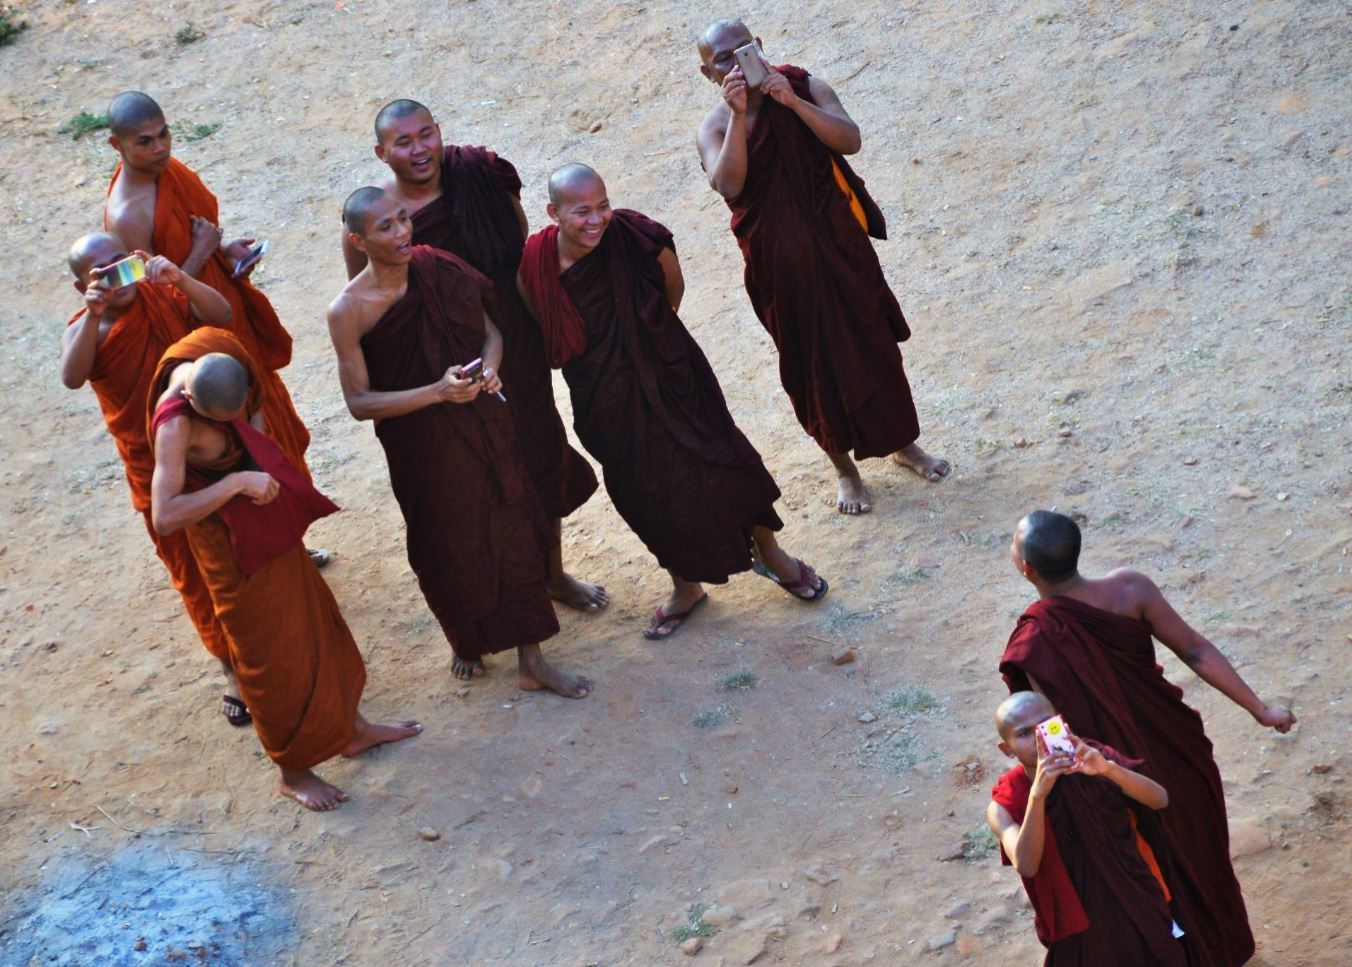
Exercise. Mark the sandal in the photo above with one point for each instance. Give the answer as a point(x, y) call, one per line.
point(661, 617)
point(320, 556)
point(808, 580)
point(235, 711)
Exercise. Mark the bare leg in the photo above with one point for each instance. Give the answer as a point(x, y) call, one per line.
point(568, 589)
point(231, 682)
point(465, 670)
point(309, 790)
point(784, 567)
point(684, 596)
point(921, 463)
point(366, 736)
point(534, 673)
point(853, 497)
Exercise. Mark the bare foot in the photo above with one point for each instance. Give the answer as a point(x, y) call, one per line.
point(577, 594)
point(465, 670)
point(534, 673)
point(853, 497)
point(309, 790)
point(921, 463)
point(367, 736)
point(685, 597)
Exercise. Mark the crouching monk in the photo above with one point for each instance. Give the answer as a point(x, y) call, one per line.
point(245, 508)
point(478, 537)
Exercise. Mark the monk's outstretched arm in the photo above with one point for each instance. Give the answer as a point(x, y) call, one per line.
point(171, 509)
point(208, 306)
point(827, 119)
point(80, 341)
point(1201, 655)
point(1022, 843)
point(674, 280)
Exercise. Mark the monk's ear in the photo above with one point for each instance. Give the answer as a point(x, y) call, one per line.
point(115, 142)
point(708, 74)
point(552, 211)
point(80, 285)
point(1003, 746)
point(357, 242)
point(380, 150)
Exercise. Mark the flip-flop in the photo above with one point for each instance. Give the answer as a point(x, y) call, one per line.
point(660, 618)
point(808, 579)
point(320, 556)
point(235, 711)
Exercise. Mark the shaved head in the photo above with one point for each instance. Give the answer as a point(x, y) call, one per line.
point(219, 384)
point(357, 208)
point(397, 111)
point(1022, 708)
point(1049, 543)
point(731, 31)
point(93, 249)
point(130, 110)
point(571, 178)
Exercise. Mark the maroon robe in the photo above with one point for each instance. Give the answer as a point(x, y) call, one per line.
point(1096, 902)
point(1099, 671)
point(474, 219)
point(817, 287)
point(478, 539)
point(648, 408)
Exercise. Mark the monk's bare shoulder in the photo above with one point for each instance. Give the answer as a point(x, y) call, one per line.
point(714, 127)
point(1132, 591)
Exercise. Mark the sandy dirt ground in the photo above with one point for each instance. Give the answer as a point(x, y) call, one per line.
point(1116, 233)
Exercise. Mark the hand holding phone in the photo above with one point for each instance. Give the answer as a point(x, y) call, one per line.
point(474, 372)
point(1056, 737)
point(123, 272)
point(251, 257)
point(752, 62)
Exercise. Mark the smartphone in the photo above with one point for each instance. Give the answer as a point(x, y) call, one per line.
point(255, 253)
point(473, 371)
point(123, 272)
point(1056, 737)
point(749, 59)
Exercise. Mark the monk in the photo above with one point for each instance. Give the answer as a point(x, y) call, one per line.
point(1088, 645)
point(606, 285)
point(244, 508)
point(114, 343)
point(478, 538)
point(1067, 822)
point(158, 204)
point(803, 219)
point(467, 201)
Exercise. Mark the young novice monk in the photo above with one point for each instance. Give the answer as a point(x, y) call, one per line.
point(1068, 824)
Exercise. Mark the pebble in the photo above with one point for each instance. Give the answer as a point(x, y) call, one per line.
point(1240, 492)
point(841, 654)
point(596, 126)
point(720, 916)
point(428, 835)
point(730, 788)
point(462, 691)
point(1189, 461)
point(1198, 211)
point(692, 946)
point(833, 943)
point(960, 909)
point(820, 876)
point(1064, 432)
point(1021, 443)
point(868, 717)
point(954, 851)
point(1283, 496)
point(946, 939)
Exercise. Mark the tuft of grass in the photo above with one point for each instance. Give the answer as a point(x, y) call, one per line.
point(910, 700)
point(693, 926)
point(1048, 18)
point(977, 843)
point(82, 124)
point(710, 718)
point(10, 27)
point(196, 132)
point(737, 682)
point(842, 622)
point(910, 575)
point(188, 34)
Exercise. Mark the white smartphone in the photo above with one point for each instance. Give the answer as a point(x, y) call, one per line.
point(751, 61)
point(255, 253)
point(1056, 737)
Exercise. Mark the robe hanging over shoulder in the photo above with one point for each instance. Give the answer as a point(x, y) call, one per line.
point(646, 403)
point(123, 369)
point(475, 220)
point(1099, 670)
point(299, 669)
point(817, 287)
point(478, 537)
point(180, 194)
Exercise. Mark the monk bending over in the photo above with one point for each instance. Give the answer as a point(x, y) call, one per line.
point(1088, 645)
point(158, 204)
point(605, 285)
point(478, 537)
point(114, 343)
point(244, 508)
point(466, 201)
point(803, 219)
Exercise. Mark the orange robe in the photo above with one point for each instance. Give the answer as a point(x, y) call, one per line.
point(179, 194)
point(123, 367)
point(299, 669)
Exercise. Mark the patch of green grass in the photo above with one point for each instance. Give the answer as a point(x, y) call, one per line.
point(82, 124)
point(910, 700)
point(977, 843)
point(188, 34)
point(896, 752)
point(910, 575)
point(985, 447)
point(195, 132)
point(10, 28)
point(842, 622)
point(693, 926)
point(737, 682)
point(710, 718)
point(1048, 18)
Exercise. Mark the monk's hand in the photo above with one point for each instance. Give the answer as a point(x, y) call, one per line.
point(1050, 767)
point(206, 235)
point(237, 249)
point(734, 91)
point(492, 382)
point(258, 486)
point(455, 388)
point(777, 87)
point(1088, 759)
point(1277, 717)
point(96, 294)
point(160, 269)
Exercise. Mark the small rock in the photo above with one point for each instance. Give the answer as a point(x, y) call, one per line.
point(868, 717)
point(428, 835)
point(833, 943)
point(1189, 461)
point(730, 788)
point(1241, 492)
point(462, 691)
point(139, 945)
point(1064, 432)
point(720, 917)
point(940, 941)
point(806, 908)
point(1021, 443)
point(820, 876)
point(595, 126)
point(1280, 496)
point(954, 851)
point(841, 654)
point(692, 946)
point(1198, 211)
point(1322, 769)
point(960, 909)
point(783, 884)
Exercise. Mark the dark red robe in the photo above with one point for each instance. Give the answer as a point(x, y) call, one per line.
point(478, 538)
point(1096, 902)
point(474, 219)
point(1099, 671)
point(648, 408)
point(817, 287)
